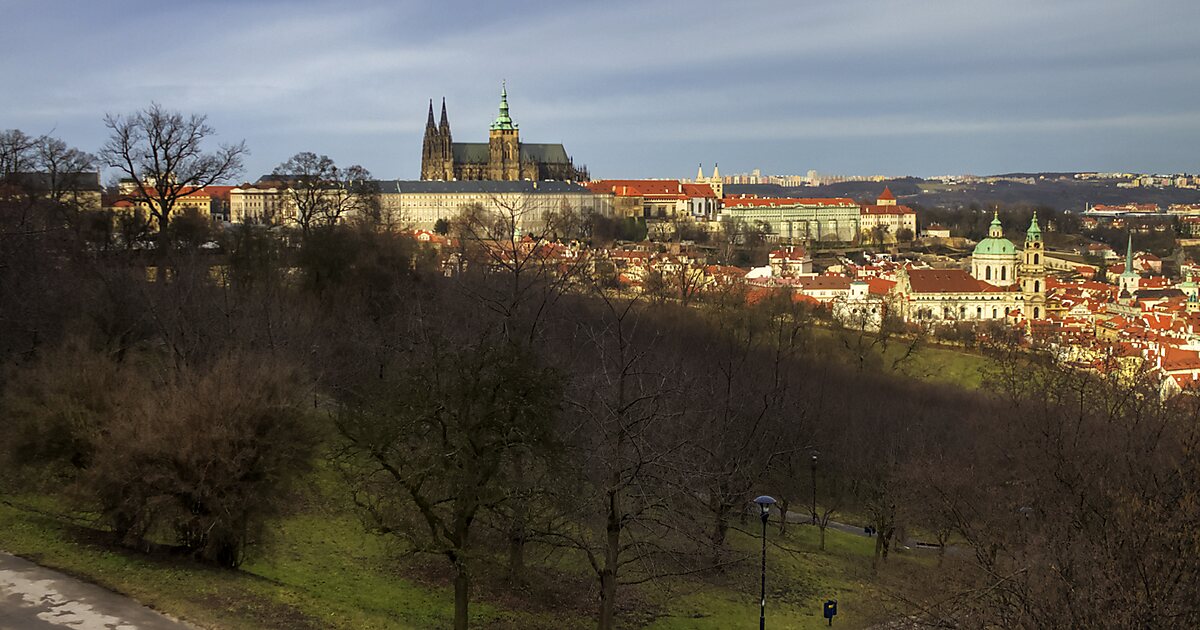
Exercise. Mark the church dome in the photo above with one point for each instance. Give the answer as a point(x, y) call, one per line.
point(995, 244)
point(995, 247)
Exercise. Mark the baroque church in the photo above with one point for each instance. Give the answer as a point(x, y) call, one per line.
point(502, 158)
point(1003, 283)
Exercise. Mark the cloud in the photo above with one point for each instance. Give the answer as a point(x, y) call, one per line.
point(946, 78)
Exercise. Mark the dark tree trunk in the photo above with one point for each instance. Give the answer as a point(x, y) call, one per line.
point(783, 522)
point(462, 592)
point(608, 575)
point(823, 526)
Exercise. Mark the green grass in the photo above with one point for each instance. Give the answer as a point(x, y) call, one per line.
point(934, 363)
point(324, 571)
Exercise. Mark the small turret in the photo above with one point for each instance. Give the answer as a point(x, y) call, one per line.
point(996, 230)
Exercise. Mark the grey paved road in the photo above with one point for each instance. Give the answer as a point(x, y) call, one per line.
point(36, 598)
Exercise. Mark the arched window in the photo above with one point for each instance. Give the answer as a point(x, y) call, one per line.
point(1004, 273)
point(1037, 286)
point(987, 272)
point(1035, 313)
point(978, 312)
point(994, 312)
point(1035, 259)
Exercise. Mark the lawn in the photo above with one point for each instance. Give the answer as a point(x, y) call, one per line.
point(324, 571)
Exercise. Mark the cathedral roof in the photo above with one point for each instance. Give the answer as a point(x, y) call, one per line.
point(478, 153)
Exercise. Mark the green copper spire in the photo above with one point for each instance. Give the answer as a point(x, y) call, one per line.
point(1034, 233)
point(503, 121)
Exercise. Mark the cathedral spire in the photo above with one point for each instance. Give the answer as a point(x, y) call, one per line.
point(444, 126)
point(1034, 233)
point(429, 123)
point(503, 120)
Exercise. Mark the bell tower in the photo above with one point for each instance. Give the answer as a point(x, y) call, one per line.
point(504, 145)
point(1032, 273)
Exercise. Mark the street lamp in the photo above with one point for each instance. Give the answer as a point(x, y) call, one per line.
point(764, 503)
point(814, 488)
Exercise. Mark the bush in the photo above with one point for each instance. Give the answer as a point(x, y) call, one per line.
point(206, 455)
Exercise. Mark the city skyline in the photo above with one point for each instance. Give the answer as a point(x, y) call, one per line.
point(637, 89)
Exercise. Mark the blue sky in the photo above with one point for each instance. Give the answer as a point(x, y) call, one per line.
point(636, 89)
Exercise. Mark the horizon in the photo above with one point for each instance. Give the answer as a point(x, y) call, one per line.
point(861, 88)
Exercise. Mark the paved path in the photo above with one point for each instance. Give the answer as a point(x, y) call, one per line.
point(36, 598)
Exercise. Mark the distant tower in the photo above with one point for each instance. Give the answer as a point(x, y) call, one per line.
point(1128, 281)
point(447, 145)
point(1033, 272)
point(887, 198)
point(1191, 291)
point(504, 145)
point(431, 149)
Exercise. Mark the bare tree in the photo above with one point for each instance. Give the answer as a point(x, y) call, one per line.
point(163, 153)
point(322, 194)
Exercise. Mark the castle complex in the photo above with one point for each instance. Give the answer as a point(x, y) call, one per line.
point(502, 158)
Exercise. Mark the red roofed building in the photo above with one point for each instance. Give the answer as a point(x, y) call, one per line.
point(952, 295)
point(883, 221)
point(659, 198)
point(790, 261)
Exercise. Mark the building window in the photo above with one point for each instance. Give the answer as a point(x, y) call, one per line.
point(1035, 259)
point(1036, 286)
point(1035, 312)
point(987, 272)
point(1004, 273)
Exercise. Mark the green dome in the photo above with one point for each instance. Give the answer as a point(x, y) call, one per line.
point(992, 246)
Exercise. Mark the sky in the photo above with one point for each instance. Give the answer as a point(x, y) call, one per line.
point(635, 88)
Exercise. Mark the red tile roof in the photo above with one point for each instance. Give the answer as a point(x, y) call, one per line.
point(887, 194)
point(946, 281)
point(876, 209)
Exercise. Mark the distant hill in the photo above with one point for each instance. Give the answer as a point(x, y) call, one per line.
point(1055, 190)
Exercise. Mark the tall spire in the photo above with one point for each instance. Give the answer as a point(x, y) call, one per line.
point(1129, 256)
point(717, 172)
point(503, 121)
point(429, 123)
point(444, 126)
point(699, 173)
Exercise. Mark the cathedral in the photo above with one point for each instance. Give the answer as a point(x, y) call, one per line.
point(502, 158)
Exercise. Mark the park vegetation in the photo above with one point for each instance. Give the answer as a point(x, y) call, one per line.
point(513, 401)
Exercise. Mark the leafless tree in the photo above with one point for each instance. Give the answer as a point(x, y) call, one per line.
point(322, 194)
point(163, 154)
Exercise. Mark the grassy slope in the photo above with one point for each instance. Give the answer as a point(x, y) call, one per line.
point(324, 571)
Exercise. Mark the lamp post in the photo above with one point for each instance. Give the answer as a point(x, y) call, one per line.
point(814, 488)
point(764, 503)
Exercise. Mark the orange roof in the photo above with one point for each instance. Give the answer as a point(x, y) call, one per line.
point(876, 209)
point(823, 283)
point(879, 286)
point(946, 281)
point(887, 194)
